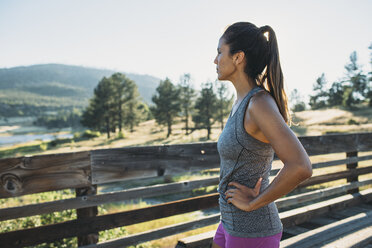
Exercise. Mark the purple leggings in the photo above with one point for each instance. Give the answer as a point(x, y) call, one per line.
point(225, 240)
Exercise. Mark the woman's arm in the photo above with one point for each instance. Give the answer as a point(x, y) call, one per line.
point(264, 112)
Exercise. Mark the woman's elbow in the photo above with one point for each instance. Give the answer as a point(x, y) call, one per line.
point(306, 171)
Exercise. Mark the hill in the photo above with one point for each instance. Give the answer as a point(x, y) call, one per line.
point(29, 90)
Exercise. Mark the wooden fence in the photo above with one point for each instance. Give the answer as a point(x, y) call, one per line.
point(84, 171)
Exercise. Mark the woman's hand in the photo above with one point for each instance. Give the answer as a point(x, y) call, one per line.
point(242, 196)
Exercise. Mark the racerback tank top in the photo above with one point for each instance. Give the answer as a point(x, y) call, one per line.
point(245, 159)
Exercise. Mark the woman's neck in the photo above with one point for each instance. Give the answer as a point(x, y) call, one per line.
point(243, 84)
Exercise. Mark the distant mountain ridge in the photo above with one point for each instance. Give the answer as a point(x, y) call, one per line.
point(63, 81)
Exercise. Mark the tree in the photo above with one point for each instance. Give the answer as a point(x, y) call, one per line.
point(126, 100)
point(205, 106)
point(91, 116)
point(103, 103)
point(296, 101)
point(115, 102)
point(355, 83)
point(319, 99)
point(187, 95)
point(167, 104)
point(335, 94)
point(132, 111)
point(144, 112)
point(369, 91)
point(118, 80)
point(64, 118)
point(223, 104)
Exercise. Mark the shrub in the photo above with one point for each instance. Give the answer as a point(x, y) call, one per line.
point(121, 135)
point(77, 135)
point(91, 134)
point(352, 122)
point(53, 143)
point(43, 146)
point(299, 107)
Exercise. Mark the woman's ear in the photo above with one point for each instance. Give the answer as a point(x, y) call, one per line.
point(239, 57)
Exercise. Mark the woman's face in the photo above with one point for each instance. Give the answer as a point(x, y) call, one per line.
point(224, 61)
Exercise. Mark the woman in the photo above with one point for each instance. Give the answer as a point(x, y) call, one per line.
point(257, 127)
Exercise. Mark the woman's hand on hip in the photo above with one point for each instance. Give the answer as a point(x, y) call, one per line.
point(242, 195)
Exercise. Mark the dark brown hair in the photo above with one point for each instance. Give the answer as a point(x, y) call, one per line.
point(262, 59)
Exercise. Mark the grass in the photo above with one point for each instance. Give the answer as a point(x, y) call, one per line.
point(333, 120)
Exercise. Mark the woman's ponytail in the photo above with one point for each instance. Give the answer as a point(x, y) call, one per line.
point(274, 82)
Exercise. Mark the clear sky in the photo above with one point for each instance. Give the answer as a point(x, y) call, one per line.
point(166, 38)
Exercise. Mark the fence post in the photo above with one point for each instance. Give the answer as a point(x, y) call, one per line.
point(350, 167)
point(160, 172)
point(81, 213)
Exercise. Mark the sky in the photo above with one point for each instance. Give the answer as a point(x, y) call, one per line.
point(167, 38)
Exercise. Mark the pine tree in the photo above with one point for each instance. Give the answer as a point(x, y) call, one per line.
point(127, 100)
point(223, 104)
point(355, 83)
point(205, 108)
point(132, 104)
point(187, 95)
point(296, 101)
point(104, 107)
point(335, 94)
point(369, 88)
point(91, 117)
point(319, 99)
point(167, 104)
point(118, 81)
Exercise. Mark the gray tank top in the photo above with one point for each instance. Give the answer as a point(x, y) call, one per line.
point(245, 159)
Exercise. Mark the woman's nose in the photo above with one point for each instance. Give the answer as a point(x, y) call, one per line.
point(215, 60)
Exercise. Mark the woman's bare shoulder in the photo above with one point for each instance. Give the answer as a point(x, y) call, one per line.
point(262, 101)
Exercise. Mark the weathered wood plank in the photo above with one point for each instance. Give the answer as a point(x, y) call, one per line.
point(335, 143)
point(158, 233)
point(26, 175)
point(50, 233)
point(335, 176)
point(111, 165)
point(359, 238)
point(318, 194)
point(95, 200)
point(321, 221)
point(302, 214)
point(295, 230)
point(345, 213)
point(197, 241)
point(341, 161)
point(365, 206)
point(318, 236)
point(274, 171)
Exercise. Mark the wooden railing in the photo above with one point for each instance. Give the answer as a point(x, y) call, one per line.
point(84, 171)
